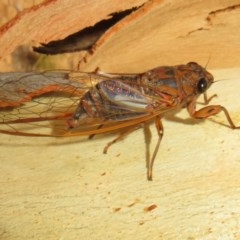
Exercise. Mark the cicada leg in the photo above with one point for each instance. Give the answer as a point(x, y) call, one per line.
point(93, 135)
point(160, 130)
point(147, 138)
point(209, 111)
point(207, 99)
point(119, 138)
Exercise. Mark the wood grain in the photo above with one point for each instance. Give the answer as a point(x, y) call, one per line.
point(169, 32)
point(56, 19)
point(161, 32)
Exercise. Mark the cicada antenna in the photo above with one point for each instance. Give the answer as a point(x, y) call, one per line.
point(219, 80)
point(207, 61)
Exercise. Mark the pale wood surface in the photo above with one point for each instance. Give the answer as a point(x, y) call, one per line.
point(68, 189)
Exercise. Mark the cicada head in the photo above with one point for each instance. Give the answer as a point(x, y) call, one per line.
point(193, 79)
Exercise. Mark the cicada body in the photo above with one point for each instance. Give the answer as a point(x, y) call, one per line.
point(65, 104)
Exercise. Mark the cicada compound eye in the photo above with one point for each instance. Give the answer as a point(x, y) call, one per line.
point(202, 85)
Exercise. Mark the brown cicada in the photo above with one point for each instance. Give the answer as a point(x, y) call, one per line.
point(63, 104)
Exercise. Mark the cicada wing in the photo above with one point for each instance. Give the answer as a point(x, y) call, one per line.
point(42, 103)
point(49, 116)
point(125, 96)
point(17, 88)
point(30, 100)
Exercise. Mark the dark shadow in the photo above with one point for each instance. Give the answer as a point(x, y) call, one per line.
point(85, 38)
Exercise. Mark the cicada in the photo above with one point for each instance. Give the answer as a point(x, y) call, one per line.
point(63, 104)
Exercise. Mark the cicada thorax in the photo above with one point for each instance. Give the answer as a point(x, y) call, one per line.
point(182, 83)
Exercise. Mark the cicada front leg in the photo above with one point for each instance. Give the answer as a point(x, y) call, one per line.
point(209, 111)
point(207, 99)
